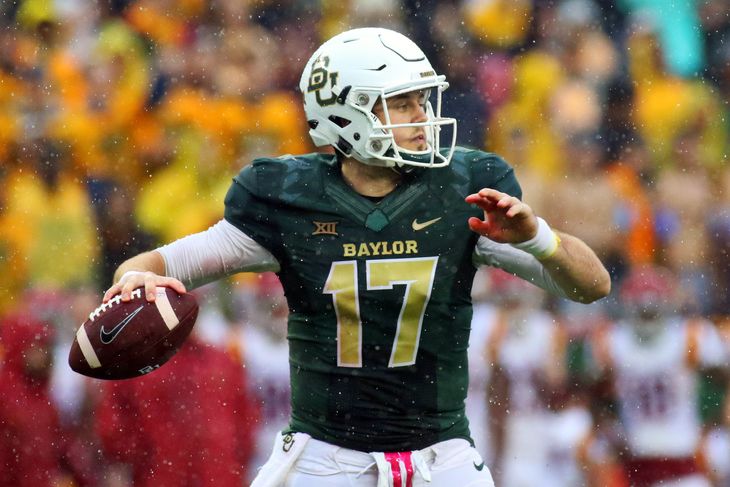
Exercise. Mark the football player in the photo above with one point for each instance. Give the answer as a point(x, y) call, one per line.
point(651, 359)
point(533, 428)
point(376, 246)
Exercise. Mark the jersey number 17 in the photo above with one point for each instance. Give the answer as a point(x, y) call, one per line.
point(416, 274)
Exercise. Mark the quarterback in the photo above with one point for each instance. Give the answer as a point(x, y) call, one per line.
point(376, 247)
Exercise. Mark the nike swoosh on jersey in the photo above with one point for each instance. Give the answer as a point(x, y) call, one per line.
point(108, 336)
point(420, 226)
point(479, 467)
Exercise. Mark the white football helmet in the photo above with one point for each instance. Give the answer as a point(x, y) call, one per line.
point(349, 74)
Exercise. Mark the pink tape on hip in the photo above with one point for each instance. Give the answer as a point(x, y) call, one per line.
point(400, 464)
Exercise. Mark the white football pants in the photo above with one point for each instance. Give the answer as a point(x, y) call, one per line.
point(300, 461)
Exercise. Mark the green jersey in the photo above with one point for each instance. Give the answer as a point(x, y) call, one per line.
point(378, 292)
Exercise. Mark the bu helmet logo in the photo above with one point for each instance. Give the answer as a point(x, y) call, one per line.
point(320, 78)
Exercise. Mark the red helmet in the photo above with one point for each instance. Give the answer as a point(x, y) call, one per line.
point(648, 283)
point(648, 293)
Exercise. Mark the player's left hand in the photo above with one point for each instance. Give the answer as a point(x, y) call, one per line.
point(506, 218)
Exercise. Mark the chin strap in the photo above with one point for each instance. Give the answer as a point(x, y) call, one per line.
point(419, 158)
point(404, 169)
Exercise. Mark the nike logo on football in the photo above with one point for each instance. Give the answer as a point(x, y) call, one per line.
point(479, 467)
point(420, 226)
point(108, 336)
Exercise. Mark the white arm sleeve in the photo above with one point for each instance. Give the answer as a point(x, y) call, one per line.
point(220, 251)
point(515, 261)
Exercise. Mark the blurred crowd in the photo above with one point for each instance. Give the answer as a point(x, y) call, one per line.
point(123, 121)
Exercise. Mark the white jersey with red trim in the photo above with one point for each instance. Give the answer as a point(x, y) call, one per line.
point(568, 428)
point(657, 381)
point(525, 352)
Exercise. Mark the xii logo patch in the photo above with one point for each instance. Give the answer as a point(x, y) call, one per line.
point(325, 228)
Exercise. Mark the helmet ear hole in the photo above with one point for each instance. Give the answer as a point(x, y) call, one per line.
point(339, 121)
point(344, 146)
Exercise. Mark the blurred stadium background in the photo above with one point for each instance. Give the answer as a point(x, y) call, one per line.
point(123, 121)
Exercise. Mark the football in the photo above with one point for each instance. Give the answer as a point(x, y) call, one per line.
point(121, 340)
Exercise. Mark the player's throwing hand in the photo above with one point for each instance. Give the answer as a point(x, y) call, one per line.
point(131, 280)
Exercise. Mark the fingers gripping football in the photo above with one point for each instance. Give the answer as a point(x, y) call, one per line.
point(132, 280)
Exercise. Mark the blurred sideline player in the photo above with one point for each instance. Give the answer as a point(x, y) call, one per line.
point(534, 436)
point(649, 363)
point(376, 247)
point(716, 409)
point(192, 422)
point(35, 447)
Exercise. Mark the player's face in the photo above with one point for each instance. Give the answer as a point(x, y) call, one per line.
point(406, 108)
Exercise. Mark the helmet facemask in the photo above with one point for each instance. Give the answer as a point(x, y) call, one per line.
point(382, 145)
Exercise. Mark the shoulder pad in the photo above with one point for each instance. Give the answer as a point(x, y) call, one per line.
point(283, 178)
point(485, 170)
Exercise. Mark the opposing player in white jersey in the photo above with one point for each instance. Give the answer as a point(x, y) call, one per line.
point(651, 359)
point(526, 350)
